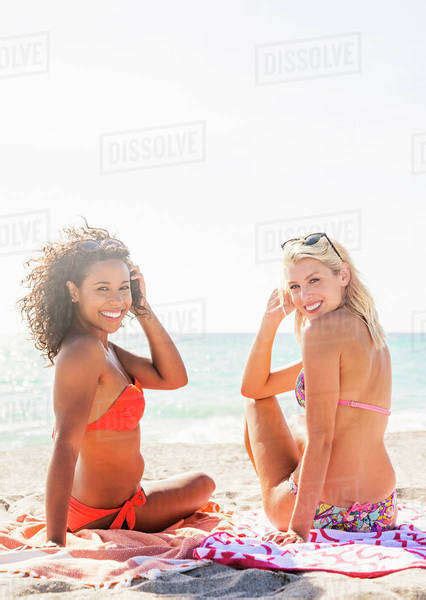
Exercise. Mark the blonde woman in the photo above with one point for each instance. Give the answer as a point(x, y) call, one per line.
point(340, 476)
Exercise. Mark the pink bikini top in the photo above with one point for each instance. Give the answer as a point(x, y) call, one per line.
point(124, 413)
point(300, 396)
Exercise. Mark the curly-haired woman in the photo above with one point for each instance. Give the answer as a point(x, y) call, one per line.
point(340, 476)
point(81, 288)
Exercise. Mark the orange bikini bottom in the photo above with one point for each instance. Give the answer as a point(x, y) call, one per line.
point(80, 514)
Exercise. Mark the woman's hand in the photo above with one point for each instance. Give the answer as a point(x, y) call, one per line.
point(279, 305)
point(281, 538)
point(136, 278)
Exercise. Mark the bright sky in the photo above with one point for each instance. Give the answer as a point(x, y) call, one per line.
point(231, 144)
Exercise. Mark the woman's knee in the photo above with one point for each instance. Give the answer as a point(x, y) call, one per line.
point(256, 403)
point(203, 483)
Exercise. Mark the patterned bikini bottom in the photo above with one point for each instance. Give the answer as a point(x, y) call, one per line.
point(370, 516)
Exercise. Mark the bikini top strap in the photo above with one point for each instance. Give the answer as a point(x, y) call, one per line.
point(372, 407)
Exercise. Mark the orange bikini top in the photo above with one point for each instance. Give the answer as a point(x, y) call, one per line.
point(124, 413)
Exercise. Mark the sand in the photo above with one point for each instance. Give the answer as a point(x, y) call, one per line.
point(22, 478)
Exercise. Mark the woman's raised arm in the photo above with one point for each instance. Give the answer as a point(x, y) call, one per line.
point(258, 380)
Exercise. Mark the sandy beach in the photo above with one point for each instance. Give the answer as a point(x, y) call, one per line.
point(22, 477)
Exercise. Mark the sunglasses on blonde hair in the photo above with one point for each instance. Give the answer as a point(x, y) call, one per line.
point(311, 239)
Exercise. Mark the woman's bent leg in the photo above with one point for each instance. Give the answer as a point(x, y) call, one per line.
point(275, 455)
point(171, 499)
point(158, 505)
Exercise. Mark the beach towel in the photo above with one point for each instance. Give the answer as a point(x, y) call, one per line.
point(103, 558)
point(241, 544)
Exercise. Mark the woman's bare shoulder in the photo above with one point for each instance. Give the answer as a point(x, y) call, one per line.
point(328, 323)
point(338, 328)
point(79, 349)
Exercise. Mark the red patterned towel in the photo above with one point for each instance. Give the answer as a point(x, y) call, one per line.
point(240, 544)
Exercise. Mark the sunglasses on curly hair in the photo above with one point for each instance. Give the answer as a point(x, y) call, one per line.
point(311, 239)
point(94, 245)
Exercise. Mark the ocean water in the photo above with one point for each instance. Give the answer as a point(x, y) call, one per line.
point(210, 408)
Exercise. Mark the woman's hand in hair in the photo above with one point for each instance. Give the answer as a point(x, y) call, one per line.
point(279, 306)
point(136, 278)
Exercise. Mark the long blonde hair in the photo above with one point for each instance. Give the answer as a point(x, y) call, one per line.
point(357, 297)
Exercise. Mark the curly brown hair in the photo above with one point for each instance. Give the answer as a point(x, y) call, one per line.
point(48, 308)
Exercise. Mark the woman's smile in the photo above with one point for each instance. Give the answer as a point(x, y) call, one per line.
point(112, 315)
point(313, 307)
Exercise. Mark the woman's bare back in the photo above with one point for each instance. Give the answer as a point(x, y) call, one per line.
point(359, 467)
